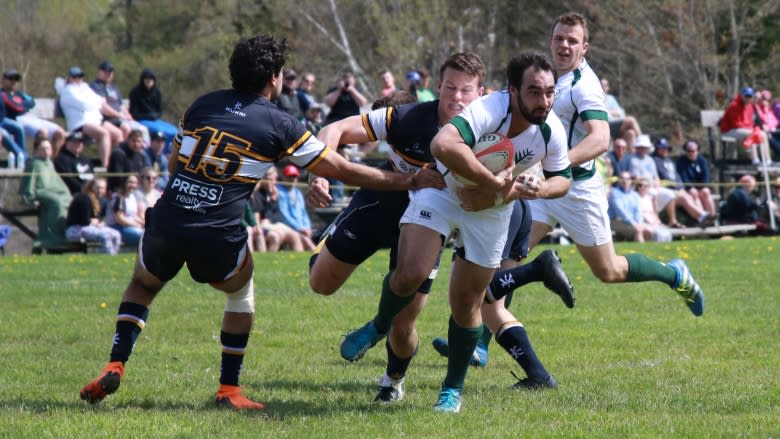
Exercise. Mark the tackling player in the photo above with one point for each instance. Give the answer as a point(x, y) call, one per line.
point(227, 141)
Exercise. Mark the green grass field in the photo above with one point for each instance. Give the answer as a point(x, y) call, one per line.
point(631, 360)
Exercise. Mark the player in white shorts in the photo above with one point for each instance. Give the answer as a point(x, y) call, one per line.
point(521, 113)
point(579, 103)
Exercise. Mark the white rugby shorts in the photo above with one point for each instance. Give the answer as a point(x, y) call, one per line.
point(582, 212)
point(481, 234)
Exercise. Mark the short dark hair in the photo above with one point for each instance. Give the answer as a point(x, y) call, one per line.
point(574, 19)
point(255, 60)
point(466, 62)
point(519, 64)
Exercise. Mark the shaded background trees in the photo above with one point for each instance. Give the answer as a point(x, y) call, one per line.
point(665, 59)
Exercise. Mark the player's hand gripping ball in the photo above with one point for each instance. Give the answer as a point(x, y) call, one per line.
point(528, 181)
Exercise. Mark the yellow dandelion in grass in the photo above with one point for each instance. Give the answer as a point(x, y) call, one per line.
point(578, 277)
point(572, 251)
point(104, 305)
point(769, 248)
point(189, 289)
point(755, 262)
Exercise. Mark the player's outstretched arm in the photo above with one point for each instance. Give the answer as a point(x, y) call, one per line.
point(336, 166)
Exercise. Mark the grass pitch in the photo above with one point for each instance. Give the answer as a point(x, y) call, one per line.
point(631, 359)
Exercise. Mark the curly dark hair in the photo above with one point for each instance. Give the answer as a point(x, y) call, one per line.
point(519, 64)
point(255, 60)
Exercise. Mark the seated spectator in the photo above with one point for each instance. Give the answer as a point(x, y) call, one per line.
point(146, 107)
point(11, 128)
point(624, 213)
point(649, 211)
point(619, 159)
point(83, 110)
point(667, 172)
point(255, 237)
point(694, 171)
point(42, 186)
point(739, 121)
point(642, 165)
point(767, 116)
point(85, 218)
point(75, 169)
point(120, 117)
point(292, 205)
point(157, 159)
point(17, 107)
point(305, 97)
point(388, 83)
point(742, 205)
point(128, 158)
point(287, 100)
point(17, 156)
point(147, 192)
point(265, 204)
point(124, 212)
point(773, 205)
point(620, 125)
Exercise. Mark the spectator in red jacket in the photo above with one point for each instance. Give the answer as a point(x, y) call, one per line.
point(741, 121)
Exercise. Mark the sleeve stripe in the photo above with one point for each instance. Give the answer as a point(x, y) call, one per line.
point(465, 130)
point(369, 129)
point(298, 143)
point(593, 115)
point(313, 163)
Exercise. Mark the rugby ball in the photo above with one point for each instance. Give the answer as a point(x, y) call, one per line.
point(495, 151)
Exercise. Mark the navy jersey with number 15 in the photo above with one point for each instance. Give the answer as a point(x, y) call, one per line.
point(227, 141)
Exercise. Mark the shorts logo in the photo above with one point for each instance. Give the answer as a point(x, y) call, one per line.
point(425, 214)
point(350, 235)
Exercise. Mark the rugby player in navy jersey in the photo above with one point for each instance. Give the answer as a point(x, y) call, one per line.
point(227, 140)
point(371, 221)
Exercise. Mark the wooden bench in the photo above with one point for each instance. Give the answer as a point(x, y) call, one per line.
point(712, 231)
point(14, 216)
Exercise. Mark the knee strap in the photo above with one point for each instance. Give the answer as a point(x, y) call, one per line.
point(243, 299)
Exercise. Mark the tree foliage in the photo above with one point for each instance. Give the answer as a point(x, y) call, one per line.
point(666, 59)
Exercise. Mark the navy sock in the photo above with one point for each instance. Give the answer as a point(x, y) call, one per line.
point(233, 348)
point(515, 341)
point(130, 321)
point(397, 367)
point(506, 281)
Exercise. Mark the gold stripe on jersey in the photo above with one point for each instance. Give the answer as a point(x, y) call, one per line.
point(388, 119)
point(406, 158)
point(300, 142)
point(312, 164)
point(369, 129)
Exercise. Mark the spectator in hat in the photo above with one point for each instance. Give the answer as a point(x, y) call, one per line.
point(313, 118)
point(9, 143)
point(344, 99)
point(126, 159)
point(146, 107)
point(157, 159)
point(288, 98)
point(75, 169)
point(104, 86)
point(667, 172)
point(423, 87)
point(642, 165)
point(83, 110)
point(17, 107)
point(10, 125)
point(292, 205)
point(740, 121)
